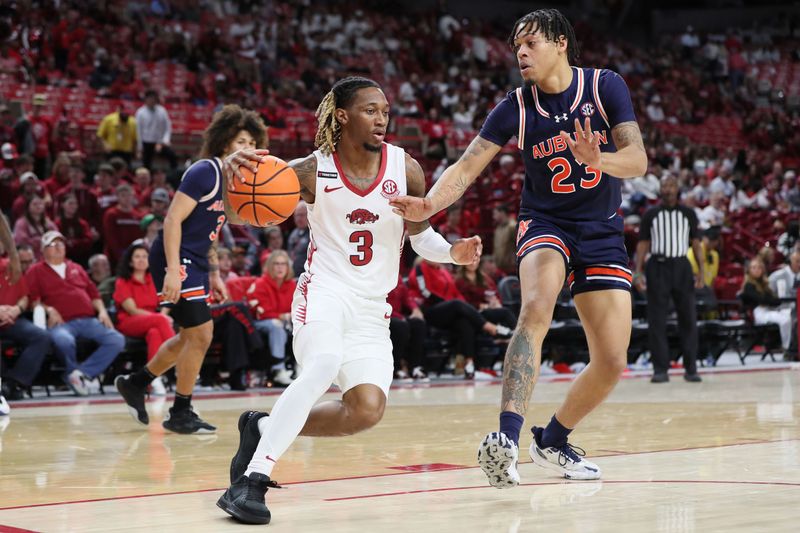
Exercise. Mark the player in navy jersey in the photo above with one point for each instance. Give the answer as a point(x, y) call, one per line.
point(577, 134)
point(183, 264)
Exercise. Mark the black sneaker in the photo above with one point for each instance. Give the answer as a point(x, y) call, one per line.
point(134, 397)
point(248, 442)
point(661, 377)
point(692, 378)
point(186, 422)
point(244, 499)
point(12, 390)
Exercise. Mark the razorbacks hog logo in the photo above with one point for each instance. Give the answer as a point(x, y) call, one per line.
point(523, 227)
point(362, 216)
point(389, 189)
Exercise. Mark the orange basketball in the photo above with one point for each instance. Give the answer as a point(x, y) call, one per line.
point(267, 197)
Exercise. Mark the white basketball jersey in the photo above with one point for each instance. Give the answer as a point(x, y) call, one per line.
point(356, 239)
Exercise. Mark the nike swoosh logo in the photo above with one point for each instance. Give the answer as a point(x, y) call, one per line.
point(331, 189)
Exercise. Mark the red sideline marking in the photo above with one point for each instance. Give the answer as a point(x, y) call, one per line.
point(10, 529)
point(370, 476)
point(27, 404)
point(430, 467)
point(612, 482)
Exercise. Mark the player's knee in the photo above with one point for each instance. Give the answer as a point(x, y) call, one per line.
point(535, 316)
point(199, 336)
point(366, 407)
point(613, 364)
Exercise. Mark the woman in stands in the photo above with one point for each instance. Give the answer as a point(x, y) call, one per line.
point(137, 305)
point(757, 295)
point(271, 303)
point(480, 291)
point(444, 307)
point(80, 236)
point(29, 228)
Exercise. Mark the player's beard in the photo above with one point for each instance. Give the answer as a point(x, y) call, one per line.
point(372, 147)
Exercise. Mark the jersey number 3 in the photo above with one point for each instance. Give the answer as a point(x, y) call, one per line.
point(563, 170)
point(364, 241)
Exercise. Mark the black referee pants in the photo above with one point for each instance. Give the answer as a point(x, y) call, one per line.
point(671, 278)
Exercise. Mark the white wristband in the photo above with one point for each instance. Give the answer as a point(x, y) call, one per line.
point(431, 246)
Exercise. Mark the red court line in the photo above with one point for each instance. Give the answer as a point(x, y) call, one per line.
point(370, 476)
point(555, 378)
point(11, 529)
point(561, 482)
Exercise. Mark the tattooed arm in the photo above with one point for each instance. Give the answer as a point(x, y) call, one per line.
point(630, 159)
point(451, 185)
point(306, 170)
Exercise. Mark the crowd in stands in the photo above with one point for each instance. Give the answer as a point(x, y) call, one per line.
point(87, 193)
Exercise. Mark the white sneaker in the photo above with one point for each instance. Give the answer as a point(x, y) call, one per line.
point(283, 377)
point(76, 382)
point(567, 460)
point(4, 407)
point(497, 456)
point(419, 375)
point(157, 387)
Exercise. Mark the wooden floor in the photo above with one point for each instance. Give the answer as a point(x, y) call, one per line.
point(720, 456)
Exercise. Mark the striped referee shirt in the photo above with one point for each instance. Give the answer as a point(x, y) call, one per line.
point(669, 230)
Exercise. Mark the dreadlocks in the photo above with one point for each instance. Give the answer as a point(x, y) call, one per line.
point(341, 94)
point(553, 25)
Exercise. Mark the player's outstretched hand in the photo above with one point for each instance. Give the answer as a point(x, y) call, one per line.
point(586, 145)
point(466, 251)
point(242, 158)
point(412, 208)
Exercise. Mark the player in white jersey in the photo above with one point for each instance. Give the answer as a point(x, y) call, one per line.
point(340, 314)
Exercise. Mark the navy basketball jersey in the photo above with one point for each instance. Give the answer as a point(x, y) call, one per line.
point(202, 182)
point(556, 184)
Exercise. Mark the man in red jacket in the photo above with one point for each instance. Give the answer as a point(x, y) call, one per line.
point(74, 310)
point(271, 301)
point(121, 224)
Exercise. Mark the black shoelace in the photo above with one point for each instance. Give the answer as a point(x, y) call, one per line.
point(571, 453)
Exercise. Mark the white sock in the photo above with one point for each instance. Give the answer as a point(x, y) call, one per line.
point(290, 413)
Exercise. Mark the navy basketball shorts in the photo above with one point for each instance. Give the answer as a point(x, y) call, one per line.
point(192, 308)
point(593, 251)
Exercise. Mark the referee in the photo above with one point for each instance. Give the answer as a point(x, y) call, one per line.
point(666, 232)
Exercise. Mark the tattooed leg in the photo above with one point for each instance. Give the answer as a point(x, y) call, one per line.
point(520, 371)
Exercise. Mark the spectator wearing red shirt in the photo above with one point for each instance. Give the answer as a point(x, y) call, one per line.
point(60, 176)
point(159, 202)
point(407, 330)
point(480, 291)
point(33, 342)
point(271, 302)
point(444, 307)
point(87, 201)
point(74, 311)
point(137, 304)
point(80, 236)
point(121, 224)
point(453, 229)
point(141, 186)
point(434, 134)
point(30, 186)
point(103, 190)
point(29, 228)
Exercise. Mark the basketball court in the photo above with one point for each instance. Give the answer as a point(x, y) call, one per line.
point(723, 455)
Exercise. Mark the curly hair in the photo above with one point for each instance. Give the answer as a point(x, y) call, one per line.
point(124, 268)
point(553, 25)
point(341, 94)
point(226, 125)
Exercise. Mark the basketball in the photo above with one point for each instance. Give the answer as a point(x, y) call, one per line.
point(267, 197)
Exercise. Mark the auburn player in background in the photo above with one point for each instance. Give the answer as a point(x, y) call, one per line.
point(339, 313)
point(183, 263)
point(578, 136)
